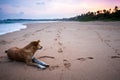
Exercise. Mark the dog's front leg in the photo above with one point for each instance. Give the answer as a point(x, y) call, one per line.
point(29, 62)
point(39, 62)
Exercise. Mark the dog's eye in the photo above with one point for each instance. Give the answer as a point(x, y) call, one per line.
point(35, 43)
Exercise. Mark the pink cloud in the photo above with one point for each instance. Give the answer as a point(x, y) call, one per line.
point(56, 8)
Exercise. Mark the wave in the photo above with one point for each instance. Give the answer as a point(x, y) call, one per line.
point(7, 28)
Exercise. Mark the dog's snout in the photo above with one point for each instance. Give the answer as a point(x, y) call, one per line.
point(41, 47)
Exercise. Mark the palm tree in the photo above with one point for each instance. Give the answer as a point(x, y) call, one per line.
point(116, 8)
point(98, 12)
point(104, 11)
point(110, 11)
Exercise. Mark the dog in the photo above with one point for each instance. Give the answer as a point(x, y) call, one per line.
point(26, 53)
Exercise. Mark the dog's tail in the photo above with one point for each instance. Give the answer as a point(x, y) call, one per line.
point(6, 51)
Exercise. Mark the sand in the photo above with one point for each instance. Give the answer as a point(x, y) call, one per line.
point(74, 50)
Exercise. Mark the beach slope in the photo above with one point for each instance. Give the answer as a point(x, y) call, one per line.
point(74, 50)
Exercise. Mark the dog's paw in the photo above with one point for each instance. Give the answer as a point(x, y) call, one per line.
point(47, 65)
point(41, 67)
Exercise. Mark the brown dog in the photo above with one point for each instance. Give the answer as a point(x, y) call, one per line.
point(24, 54)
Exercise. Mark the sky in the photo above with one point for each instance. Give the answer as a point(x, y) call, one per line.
point(50, 9)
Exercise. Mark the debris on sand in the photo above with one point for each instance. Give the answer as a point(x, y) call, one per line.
point(47, 57)
point(115, 57)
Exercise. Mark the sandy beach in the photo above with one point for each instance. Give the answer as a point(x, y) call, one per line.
point(74, 50)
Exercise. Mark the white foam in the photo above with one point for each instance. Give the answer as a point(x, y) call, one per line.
point(7, 28)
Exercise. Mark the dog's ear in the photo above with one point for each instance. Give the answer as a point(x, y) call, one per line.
point(35, 43)
point(38, 41)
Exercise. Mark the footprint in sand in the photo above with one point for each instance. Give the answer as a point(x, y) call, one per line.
point(26, 35)
point(58, 36)
point(67, 64)
point(60, 50)
point(107, 40)
point(118, 54)
point(3, 42)
point(60, 43)
point(59, 31)
point(53, 67)
point(4, 59)
point(83, 59)
point(115, 57)
point(117, 40)
point(22, 40)
point(90, 57)
point(33, 34)
point(116, 51)
point(48, 31)
point(39, 30)
point(64, 27)
point(1, 58)
point(55, 39)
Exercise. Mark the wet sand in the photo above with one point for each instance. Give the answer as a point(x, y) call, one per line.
point(74, 50)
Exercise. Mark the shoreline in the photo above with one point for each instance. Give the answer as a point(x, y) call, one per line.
point(9, 28)
point(58, 22)
point(74, 50)
point(22, 24)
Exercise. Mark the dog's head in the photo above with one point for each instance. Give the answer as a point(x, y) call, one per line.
point(36, 44)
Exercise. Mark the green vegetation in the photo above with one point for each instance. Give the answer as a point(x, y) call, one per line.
point(25, 20)
point(106, 15)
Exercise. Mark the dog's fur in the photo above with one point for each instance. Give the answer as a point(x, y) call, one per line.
point(24, 54)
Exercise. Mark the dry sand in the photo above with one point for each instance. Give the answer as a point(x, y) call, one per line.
point(74, 50)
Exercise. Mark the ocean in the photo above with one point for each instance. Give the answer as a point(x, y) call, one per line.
point(11, 27)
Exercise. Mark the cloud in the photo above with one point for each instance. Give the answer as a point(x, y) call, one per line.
point(0, 9)
point(51, 8)
point(40, 3)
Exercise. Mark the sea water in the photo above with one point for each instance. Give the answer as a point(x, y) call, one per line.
point(11, 27)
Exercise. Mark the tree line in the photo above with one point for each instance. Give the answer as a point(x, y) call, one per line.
point(107, 15)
